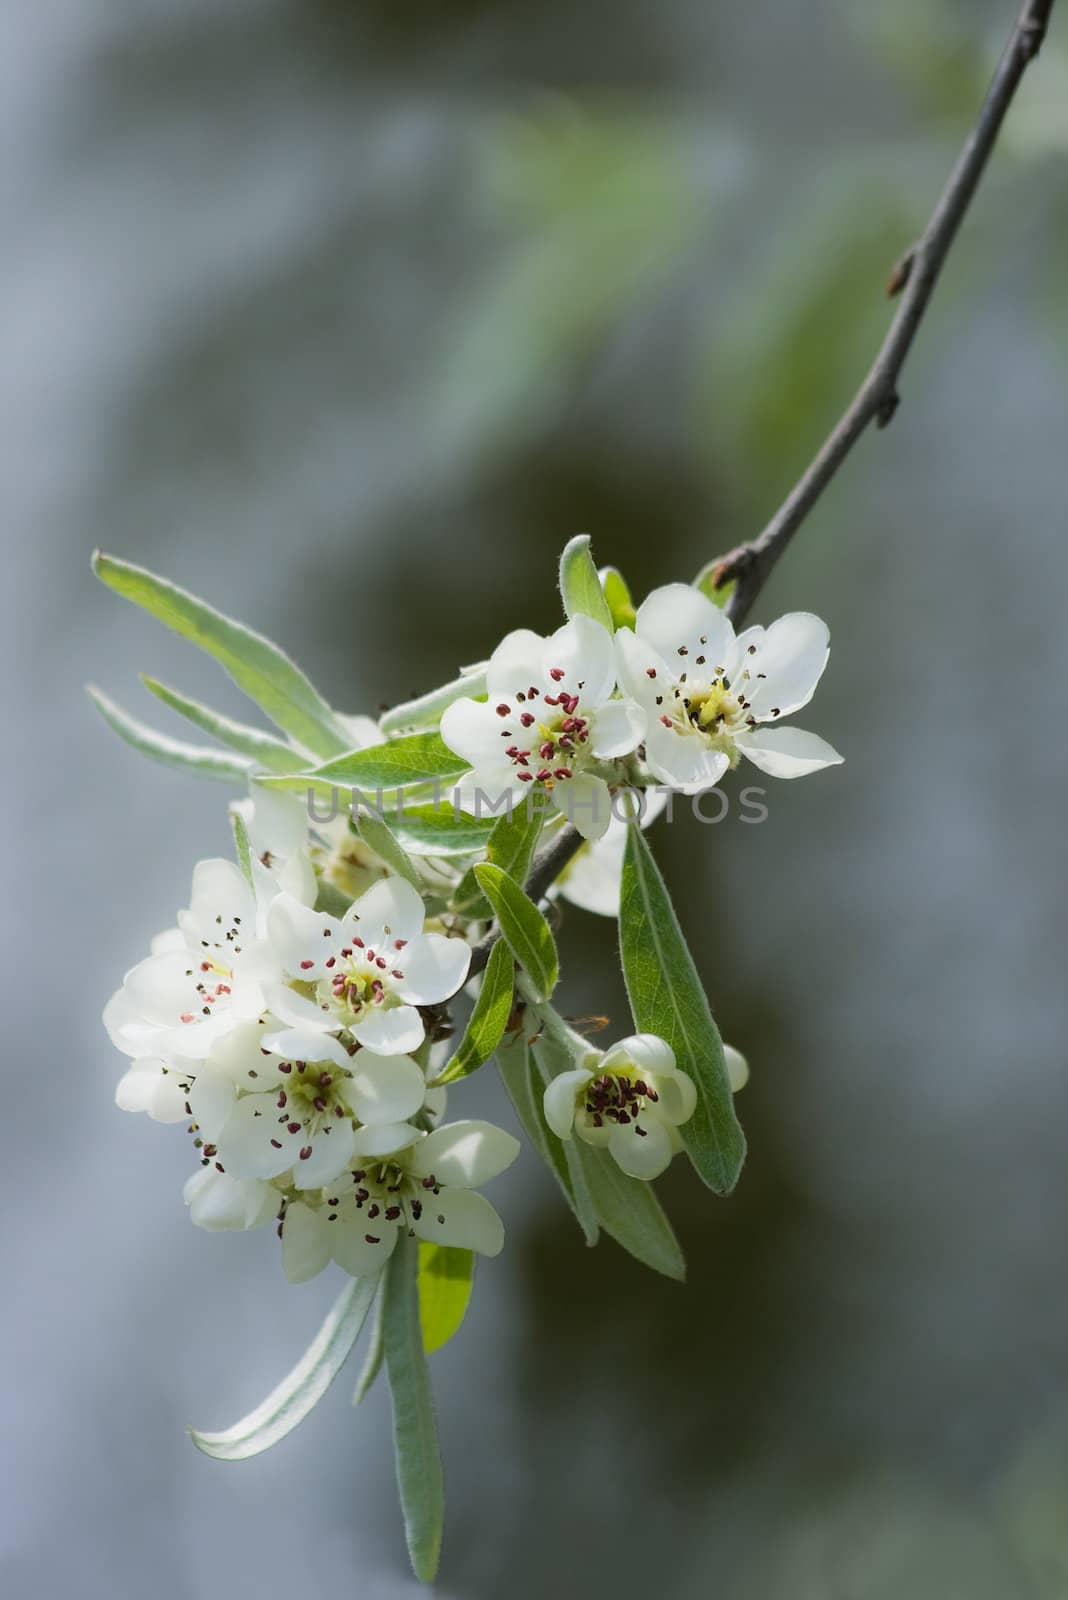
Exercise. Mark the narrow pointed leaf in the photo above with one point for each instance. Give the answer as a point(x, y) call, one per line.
point(511, 847)
point(305, 1386)
point(488, 1020)
point(257, 666)
point(525, 1084)
point(617, 597)
point(525, 930)
point(206, 761)
point(580, 586)
point(446, 1278)
point(378, 836)
point(241, 844)
point(372, 1359)
point(425, 712)
point(668, 998)
point(438, 830)
point(629, 1210)
point(393, 765)
point(415, 1434)
point(262, 748)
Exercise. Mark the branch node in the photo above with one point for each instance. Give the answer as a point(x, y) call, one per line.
point(900, 272)
point(885, 414)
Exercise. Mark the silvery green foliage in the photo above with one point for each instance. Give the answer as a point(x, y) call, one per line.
point(297, 1019)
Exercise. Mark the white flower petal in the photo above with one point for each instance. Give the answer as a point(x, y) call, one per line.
point(331, 1152)
point(160, 988)
point(359, 1246)
point(306, 1242)
point(220, 898)
point(464, 1154)
point(384, 1089)
point(582, 650)
point(685, 761)
point(515, 664)
point(680, 616)
point(461, 1218)
point(150, 1087)
point(434, 968)
point(787, 752)
point(792, 655)
point(586, 803)
point(169, 939)
point(297, 1010)
point(559, 1100)
point(646, 1051)
point(253, 1143)
point(218, 1202)
point(385, 1138)
point(473, 729)
point(389, 1030)
point(678, 1097)
point(635, 658)
point(211, 1100)
point(393, 907)
point(302, 939)
point(303, 1044)
point(737, 1068)
point(641, 1157)
point(618, 728)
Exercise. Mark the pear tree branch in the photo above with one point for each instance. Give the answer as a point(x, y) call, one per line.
point(914, 278)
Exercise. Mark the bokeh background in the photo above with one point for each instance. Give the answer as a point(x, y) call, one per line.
point(347, 315)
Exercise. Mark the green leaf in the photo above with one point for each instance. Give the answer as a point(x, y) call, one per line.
point(705, 581)
point(667, 998)
point(617, 597)
point(393, 765)
point(438, 830)
point(415, 1437)
point(375, 833)
point(580, 586)
point(241, 842)
point(629, 1210)
point(526, 931)
point(488, 1020)
point(446, 1278)
point(425, 712)
point(511, 847)
point(257, 666)
point(301, 1391)
point(372, 1360)
point(547, 1063)
point(262, 748)
point(525, 1083)
point(207, 762)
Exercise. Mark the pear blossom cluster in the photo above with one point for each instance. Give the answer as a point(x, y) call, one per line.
point(295, 1018)
point(294, 1045)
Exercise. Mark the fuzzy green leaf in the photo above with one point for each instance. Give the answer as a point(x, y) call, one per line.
point(489, 1019)
point(617, 597)
point(382, 841)
point(262, 748)
point(373, 1355)
point(446, 1279)
point(525, 1083)
point(667, 998)
point(526, 931)
point(205, 761)
point(297, 1394)
point(425, 712)
point(415, 1434)
point(580, 586)
point(257, 666)
point(393, 765)
point(510, 846)
point(629, 1210)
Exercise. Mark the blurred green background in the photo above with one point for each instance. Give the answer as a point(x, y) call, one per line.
point(347, 316)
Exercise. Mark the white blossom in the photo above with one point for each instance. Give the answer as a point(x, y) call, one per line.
point(550, 719)
point(631, 1100)
point(365, 974)
point(592, 877)
point(220, 1202)
point(427, 1188)
point(711, 697)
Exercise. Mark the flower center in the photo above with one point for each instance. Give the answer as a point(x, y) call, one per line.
point(360, 979)
point(705, 702)
point(212, 988)
point(310, 1100)
point(384, 1194)
point(617, 1097)
point(547, 732)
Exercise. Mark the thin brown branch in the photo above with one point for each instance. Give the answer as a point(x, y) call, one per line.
point(914, 278)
